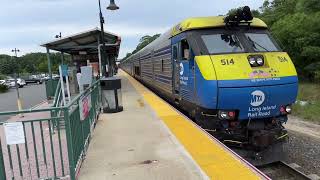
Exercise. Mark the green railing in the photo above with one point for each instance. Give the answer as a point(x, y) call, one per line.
point(54, 143)
point(80, 129)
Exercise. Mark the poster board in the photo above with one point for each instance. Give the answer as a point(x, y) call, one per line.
point(14, 133)
point(85, 106)
point(86, 75)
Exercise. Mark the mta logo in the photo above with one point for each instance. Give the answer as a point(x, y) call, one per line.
point(181, 69)
point(257, 98)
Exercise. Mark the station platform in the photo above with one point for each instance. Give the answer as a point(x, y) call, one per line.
point(152, 140)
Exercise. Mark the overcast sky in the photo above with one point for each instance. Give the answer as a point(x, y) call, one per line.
point(25, 24)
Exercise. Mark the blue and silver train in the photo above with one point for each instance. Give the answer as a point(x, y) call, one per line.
point(228, 73)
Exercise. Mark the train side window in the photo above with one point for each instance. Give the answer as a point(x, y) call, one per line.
point(137, 70)
point(185, 50)
point(162, 65)
point(175, 52)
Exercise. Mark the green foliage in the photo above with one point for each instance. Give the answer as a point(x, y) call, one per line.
point(2, 77)
point(31, 63)
point(3, 88)
point(255, 13)
point(144, 41)
point(7, 64)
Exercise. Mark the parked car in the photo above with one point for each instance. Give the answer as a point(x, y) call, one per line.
point(55, 76)
point(33, 79)
point(2, 81)
point(20, 82)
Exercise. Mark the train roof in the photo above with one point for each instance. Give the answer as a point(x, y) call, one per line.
point(197, 23)
point(208, 22)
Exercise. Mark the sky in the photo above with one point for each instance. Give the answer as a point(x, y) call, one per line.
point(25, 24)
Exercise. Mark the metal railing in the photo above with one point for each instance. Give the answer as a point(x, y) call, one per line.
point(50, 152)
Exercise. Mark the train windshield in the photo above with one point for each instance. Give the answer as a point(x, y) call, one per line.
point(221, 41)
point(261, 42)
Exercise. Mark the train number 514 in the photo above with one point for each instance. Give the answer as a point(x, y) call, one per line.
point(227, 62)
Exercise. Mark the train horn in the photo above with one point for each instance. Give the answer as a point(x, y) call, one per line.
point(241, 14)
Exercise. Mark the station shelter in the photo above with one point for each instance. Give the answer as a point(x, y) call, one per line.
point(85, 49)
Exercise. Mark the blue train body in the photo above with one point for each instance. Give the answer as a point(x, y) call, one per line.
point(222, 78)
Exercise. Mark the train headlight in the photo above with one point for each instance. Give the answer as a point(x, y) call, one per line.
point(260, 61)
point(285, 109)
point(252, 61)
point(256, 60)
point(227, 115)
point(288, 109)
point(223, 115)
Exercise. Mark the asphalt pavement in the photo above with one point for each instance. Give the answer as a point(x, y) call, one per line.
point(31, 95)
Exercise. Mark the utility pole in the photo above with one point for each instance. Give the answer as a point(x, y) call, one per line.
point(15, 50)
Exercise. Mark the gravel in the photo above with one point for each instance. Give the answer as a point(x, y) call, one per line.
point(303, 150)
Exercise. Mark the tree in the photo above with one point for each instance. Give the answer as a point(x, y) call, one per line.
point(143, 42)
point(7, 64)
point(31, 63)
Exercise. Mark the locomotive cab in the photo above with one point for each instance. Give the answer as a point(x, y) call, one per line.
point(235, 81)
point(256, 82)
point(228, 73)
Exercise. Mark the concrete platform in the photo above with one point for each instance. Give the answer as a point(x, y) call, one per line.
point(150, 140)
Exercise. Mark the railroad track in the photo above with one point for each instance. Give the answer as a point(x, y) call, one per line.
point(282, 171)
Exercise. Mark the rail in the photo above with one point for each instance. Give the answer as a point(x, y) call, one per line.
point(282, 170)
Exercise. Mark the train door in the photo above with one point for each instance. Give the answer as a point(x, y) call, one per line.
point(186, 71)
point(183, 70)
point(176, 68)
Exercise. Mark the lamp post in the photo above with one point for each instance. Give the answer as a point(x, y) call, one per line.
point(15, 50)
point(112, 6)
point(59, 36)
point(111, 87)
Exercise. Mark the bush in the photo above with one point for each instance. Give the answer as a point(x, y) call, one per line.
point(3, 88)
point(3, 76)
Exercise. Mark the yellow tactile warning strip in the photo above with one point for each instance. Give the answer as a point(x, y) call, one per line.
point(212, 157)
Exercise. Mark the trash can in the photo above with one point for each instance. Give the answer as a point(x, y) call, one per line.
point(111, 94)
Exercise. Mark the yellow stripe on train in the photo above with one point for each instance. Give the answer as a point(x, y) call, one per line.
point(236, 66)
point(208, 22)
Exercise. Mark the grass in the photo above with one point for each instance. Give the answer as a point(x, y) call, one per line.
point(309, 92)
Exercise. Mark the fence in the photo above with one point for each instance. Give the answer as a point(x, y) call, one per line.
point(54, 144)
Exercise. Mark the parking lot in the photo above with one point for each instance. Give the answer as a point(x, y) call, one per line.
point(31, 95)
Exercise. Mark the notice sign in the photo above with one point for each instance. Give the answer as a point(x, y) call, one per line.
point(84, 107)
point(14, 133)
point(64, 69)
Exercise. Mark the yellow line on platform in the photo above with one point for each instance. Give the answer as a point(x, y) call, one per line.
point(211, 156)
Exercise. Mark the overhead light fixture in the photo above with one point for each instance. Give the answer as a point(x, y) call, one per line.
point(112, 6)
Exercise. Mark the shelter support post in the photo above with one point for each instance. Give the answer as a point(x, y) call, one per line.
point(62, 58)
point(49, 63)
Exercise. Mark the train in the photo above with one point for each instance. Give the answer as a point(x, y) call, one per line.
point(227, 72)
